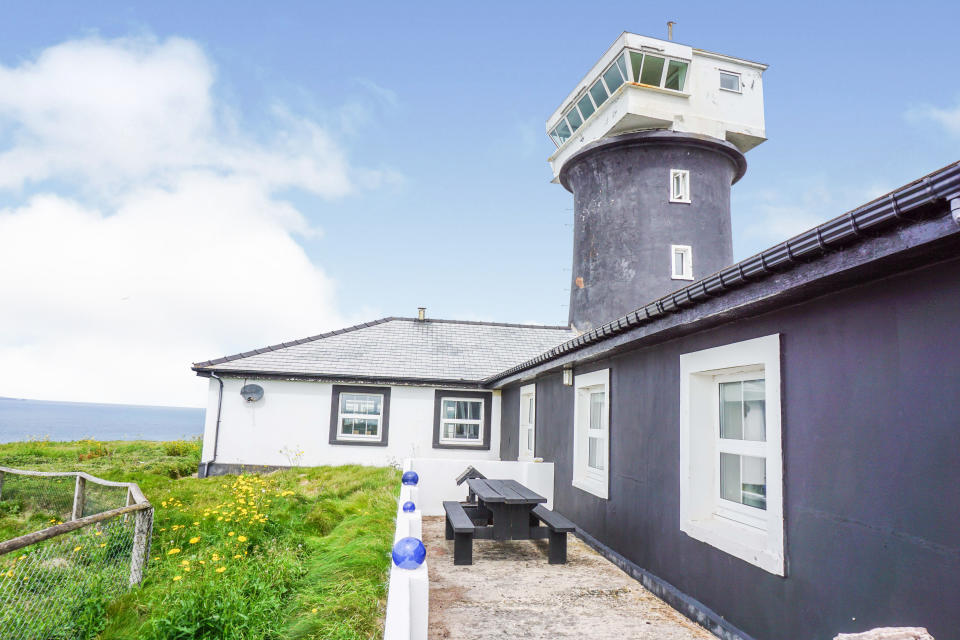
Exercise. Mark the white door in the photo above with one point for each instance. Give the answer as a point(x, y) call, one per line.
point(528, 421)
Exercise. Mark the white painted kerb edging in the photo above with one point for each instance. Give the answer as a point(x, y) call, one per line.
point(408, 596)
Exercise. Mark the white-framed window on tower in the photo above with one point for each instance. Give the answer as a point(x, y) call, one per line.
point(680, 186)
point(528, 421)
point(591, 432)
point(681, 262)
point(731, 463)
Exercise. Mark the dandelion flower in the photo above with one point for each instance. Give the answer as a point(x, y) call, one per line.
point(98, 533)
point(10, 573)
point(103, 544)
point(194, 540)
point(173, 551)
point(230, 534)
point(314, 610)
point(237, 557)
point(186, 568)
point(175, 578)
point(196, 522)
point(185, 563)
point(77, 548)
point(215, 557)
point(242, 538)
point(221, 569)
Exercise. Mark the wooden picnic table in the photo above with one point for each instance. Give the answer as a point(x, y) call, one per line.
point(504, 510)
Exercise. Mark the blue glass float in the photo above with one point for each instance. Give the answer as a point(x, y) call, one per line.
point(409, 507)
point(410, 478)
point(409, 553)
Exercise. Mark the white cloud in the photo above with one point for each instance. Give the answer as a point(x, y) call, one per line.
point(947, 118)
point(163, 241)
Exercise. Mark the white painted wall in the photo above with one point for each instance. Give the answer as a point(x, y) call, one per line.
point(408, 595)
point(438, 479)
point(295, 416)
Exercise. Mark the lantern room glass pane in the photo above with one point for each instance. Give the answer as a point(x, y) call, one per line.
point(574, 119)
point(636, 60)
point(563, 131)
point(676, 74)
point(652, 70)
point(613, 78)
point(586, 106)
point(598, 92)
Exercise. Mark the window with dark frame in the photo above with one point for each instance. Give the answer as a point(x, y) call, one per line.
point(462, 419)
point(359, 415)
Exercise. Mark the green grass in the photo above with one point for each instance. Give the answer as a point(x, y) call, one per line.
point(302, 553)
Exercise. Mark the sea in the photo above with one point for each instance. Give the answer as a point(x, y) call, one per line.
point(42, 419)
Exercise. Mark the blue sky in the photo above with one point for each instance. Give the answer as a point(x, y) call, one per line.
point(430, 118)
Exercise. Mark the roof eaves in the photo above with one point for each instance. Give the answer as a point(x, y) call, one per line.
point(878, 215)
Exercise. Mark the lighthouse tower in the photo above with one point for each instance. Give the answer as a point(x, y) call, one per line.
point(649, 143)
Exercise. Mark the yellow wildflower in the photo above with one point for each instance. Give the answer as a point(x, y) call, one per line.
point(97, 533)
point(185, 563)
point(77, 548)
point(230, 534)
point(215, 557)
point(196, 522)
point(221, 569)
point(173, 551)
point(175, 578)
point(237, 557)
point(194, 540)
point(186, 568)
point(103, 544)
point(10, 573)
point(314, 610)
point(242, 538)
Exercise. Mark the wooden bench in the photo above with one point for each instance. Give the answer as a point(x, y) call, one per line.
point(559, 528)
point(459, 528)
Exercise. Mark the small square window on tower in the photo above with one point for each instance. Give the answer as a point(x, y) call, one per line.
point(679, 185)
point(730, 81)
point(681, 262)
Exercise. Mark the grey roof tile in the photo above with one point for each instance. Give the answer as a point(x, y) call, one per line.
point(401, 348)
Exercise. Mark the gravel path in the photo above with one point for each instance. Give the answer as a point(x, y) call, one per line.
point(511, 592)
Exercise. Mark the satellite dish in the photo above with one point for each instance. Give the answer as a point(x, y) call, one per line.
point(251, 392)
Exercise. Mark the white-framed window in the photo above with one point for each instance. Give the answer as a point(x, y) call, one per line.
point(679, 185)
point(591, 432)
point(528, 421)
point(681, 262)
point(730, 81)
point(461, 420)
point(731, 462)
point(360, 416)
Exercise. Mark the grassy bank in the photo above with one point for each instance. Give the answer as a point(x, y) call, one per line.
point(294, 554)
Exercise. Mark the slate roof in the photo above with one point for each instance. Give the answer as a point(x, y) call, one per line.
point(400, 349)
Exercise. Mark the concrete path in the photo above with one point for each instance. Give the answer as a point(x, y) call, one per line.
point(511, 592)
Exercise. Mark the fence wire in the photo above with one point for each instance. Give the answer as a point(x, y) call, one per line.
point(59, 588)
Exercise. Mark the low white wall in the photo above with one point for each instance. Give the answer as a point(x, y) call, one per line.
point(408, 598)
point(294, 416)
point(438, 479)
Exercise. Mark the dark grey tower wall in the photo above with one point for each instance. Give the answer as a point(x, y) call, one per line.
point(624, 223)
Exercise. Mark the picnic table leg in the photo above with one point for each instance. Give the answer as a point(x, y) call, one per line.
point(448, 529)
point(558, 547)
point(463, 548)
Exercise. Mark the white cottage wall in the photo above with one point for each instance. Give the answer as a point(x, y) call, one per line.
point(294, 416)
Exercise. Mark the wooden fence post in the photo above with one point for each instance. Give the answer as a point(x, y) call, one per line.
point(142, 533)
point(79, 498)
point(2, 474)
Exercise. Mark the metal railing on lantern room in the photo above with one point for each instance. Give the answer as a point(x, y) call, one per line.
point(94, 547)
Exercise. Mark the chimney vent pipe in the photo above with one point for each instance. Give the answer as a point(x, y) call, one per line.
point(421, 313)
point(670, 29)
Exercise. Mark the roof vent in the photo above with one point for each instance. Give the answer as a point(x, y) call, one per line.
point(421, 313)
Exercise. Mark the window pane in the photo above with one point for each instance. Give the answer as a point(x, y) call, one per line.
point(678, 263)
point(598, 92)
point(461, 430)
point(596, 409)
point(563, 131)
point(347, 426)
point(678, 186)
point(636, 59)
point(530, 440)
point(729, 81)
point(754, 482)
point(613, 78)
point(676, 74)
point(449, 409)
point(360, 403)
point(595, 454)
point(754, 411)
point(731, 410)
point(530, 414)
point(730, 477)
point(652, 70)
point(586, 106)
point(556, 139)
point(574, 119)
point(622, 65)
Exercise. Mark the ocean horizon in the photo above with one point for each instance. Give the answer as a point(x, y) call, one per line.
point(24, 419)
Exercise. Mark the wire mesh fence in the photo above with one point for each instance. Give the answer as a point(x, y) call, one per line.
point(57, 579)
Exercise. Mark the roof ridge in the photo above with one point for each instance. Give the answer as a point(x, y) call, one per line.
point(282, 345)
point(489, 323)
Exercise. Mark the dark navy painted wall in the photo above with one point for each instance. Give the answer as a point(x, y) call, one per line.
point(510, 424)
point(871, 443)
point(624, 223)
